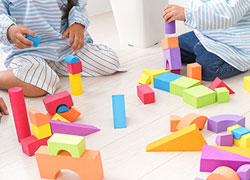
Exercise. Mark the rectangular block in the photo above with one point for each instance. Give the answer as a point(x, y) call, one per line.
point(179, 85)
point(224, 139)
point(199, 96)
point(163, 81)
point(70, 115)
point(144, 79)
point(119, 114)
point(173, 58)
point(75, 84)
point(146, 94)
point(170, 42)
point(37, 118)
point(194, 71)
point(247, 83)
point(222, 95)
point(41, 132)
point(74, 68)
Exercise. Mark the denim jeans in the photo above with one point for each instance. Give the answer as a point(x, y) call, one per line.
point(212, 66)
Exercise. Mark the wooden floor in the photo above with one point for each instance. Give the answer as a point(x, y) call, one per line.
point(123, 151)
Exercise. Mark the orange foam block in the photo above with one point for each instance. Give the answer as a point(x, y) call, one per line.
point(194, 71)
point(174, 121)
point(170, 42)
point(71, 115)
point(223, 173)
point(88, 166)
point(37, 118)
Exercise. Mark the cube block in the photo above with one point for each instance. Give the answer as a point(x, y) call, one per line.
point(74, 68)
point(222, 95)
point(170, 42)
point(41, 132)
point(163, 81)
point(224, 139)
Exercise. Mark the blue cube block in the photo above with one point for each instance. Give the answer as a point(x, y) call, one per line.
point(36, 40)
point(237, 133)
point(119, 114)
point(163, 81)
point(71, 59)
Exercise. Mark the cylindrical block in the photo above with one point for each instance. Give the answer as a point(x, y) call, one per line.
point(19, 112)
point(75, 83)
point(170, 27)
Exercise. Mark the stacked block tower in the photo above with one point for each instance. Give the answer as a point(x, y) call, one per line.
point(171, 50)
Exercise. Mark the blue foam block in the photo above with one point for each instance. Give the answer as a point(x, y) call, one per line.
point(62, 109)
point(71, 59)
point(119, 114)
point(237, 133)
point(163, 81)
point(36, 40)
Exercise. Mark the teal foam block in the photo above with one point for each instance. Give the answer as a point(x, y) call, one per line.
point(238, 132)
point(199, 96)
point(179, 85)
point(36, 40)
point(222, 94)
point(163, 81)
point(62, 109)
point(71, 59)
point(119, 114)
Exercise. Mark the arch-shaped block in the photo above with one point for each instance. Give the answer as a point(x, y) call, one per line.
point(244, 172)
point(75, 145)
point(223, 173)
point(62, 108)
point(220, 123)
point(88, 166)
point(71, 59)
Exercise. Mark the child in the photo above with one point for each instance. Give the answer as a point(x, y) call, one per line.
point(62, 25)
point(3, 108)
point(221, 39)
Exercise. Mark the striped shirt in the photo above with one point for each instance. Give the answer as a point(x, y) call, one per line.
point(223, 27)
point(44, 17)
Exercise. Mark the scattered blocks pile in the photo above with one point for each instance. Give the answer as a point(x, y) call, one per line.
point(241, 136)
point(217, 83)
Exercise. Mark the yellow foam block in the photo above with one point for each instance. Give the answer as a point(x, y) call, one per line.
point(153, 73)
point(75, 84)
point(58, 117)
point(247, 83)
point(236, 150)
point(144, 79)
point(229, 129)
point(41, 132)
point(244, 141)
point(186, 139)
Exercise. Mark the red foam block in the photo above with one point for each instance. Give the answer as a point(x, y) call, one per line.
point(146, 94)
point(219, 83)
point(74, 68)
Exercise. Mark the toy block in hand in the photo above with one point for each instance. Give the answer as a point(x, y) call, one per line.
point(170, 42)
point(36, 40)
point(219, 83)
point(146, 94)
point(170, 28)
point(194, 71)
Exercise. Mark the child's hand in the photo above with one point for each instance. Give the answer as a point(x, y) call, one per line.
point(17, 34)
point(3, 107)
point(76, 35)
point(174, 12)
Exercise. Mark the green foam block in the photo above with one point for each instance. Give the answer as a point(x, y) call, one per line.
point(222, 94)
point(75, 145)
point(199, 96)
point(179, 85)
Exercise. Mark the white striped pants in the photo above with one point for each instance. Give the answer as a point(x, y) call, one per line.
point(97, 60)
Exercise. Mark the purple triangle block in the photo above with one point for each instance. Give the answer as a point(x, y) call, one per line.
point(72, 128)
point(212, 158)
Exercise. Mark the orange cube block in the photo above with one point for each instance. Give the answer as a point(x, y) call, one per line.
point(174, 121)
point(194, 71)
point(71, 115)
point(37, 118)
point(170, 42)
point(88, 166)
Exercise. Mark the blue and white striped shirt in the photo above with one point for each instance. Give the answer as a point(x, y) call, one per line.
point(223, 27)
point(44, 17)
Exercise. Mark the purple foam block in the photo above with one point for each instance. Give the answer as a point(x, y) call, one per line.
point(220, 123)
point(170, 27)
point(224, 139)
point(72, 128)
point(172, 58)
point(198, 179)
point(244, 172)
point(212, 158)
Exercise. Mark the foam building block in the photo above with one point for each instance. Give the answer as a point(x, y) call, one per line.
point(75, 145)
point(192, 118)
point(223, 173)
point(194, 71)
point(37, 118)
point(74, 68)
point(244, 172)
point(36, 40)
point(41, 132)
point(52, 102)
point(70, 59)
point(199, 96)
point(198, 178)
point(247, 83)
point(153, 73)
point(172, 59)
point(163, 81)
point(88, 166)
point(217, 83)
point(19, 112)
point(62, 109)
point(186, 139)
point(144, 79)
point(220, 123)
point(72, 128)
point(222, 95)
point(224, 139)
point(31, 144)
point(236, 150)
point(244, 141)
point(170, 27)
point(177, 71)
point(71, 115)
point(75, 84)
point(212, 158)
point(119, 113)
point(146, 94)
point(58, 117)
point(237, 133)
point(179, 85)
point(174, 121)
point(170, 42)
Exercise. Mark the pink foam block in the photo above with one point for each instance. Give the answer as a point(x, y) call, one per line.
point(224, 139)
point(19, 112)
point(146, 94)
point(74, 68)
point(31, 144)
point(72, 128)
point(170, 27)
point(172, 59)
point(220, 123)
point(53, 102)
point(212, 158)
point(219, 83)
point(244, 172)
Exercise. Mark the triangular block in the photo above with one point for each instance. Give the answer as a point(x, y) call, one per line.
point(212, 158)
point(236, 150)
point(186, 139)
point(144, 79)
point(153, 73)
point(219, 83)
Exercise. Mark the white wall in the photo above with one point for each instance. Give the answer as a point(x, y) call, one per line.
point(96, 7)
